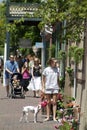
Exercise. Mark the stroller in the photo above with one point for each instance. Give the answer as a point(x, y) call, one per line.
point(16, 86)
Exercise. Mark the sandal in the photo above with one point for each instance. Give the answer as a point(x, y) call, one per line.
point(54, 120)
point(47, 119)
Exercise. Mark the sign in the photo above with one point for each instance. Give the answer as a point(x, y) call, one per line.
point(48, 29)
point(39, 44)
point(25, 43)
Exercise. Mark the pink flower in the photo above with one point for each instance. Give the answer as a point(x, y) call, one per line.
point(56, 127)
point(44, 103)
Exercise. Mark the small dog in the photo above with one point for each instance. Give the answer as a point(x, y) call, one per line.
point(33, 109)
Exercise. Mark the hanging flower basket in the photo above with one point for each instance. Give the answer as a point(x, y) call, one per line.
point(61, 55)
point(69, 70)
point(78, 54)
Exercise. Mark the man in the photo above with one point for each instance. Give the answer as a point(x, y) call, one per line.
point(20, 62)
point(11, 67)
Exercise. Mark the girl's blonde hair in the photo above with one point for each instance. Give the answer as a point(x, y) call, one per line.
point(51, 60)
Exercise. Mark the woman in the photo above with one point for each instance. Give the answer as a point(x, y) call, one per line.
point(50, 86)
point(35, 83)
point(25, 76)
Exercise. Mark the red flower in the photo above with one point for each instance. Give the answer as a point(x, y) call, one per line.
point(44, 103)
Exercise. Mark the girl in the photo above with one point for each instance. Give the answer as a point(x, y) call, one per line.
point(50, 86)
point(25, 76)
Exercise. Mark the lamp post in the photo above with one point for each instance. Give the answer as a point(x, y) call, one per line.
point(6, 53)
point(43, 56)
point(49, 30)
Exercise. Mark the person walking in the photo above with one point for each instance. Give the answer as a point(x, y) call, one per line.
point(31, 62)
point(25, 77)
point(11, 67)
point(35, 83)
point(50, 86)
point(20, 62)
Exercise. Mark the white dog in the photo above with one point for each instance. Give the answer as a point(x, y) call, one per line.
point(33, 109)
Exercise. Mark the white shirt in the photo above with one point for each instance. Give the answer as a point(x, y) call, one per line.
point(51, 75)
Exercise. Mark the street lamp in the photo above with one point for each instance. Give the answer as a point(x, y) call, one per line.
point(49, 30)
point(42, 34)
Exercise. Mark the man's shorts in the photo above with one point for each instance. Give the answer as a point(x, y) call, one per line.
point(7, 81)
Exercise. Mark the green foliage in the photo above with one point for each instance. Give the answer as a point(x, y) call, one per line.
point(75, 125)
point(52, 50)
point(25, 1)
point(76, 53)
point(71, 50)
point(69, 70)
point(15, 28)
point(51, 12)
point(1, 51)
point(61, 55)
point(65, 126)
point(70, 98)
point(62, 82)
point(74, 12)
point(59, 114)
point(28, 32)
point(2, 24)
point(62, 114)
point(71, 75)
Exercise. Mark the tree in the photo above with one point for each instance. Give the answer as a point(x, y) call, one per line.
point(74, 12)
point(15, 28)
point(25, 1)
point(2, 27)
point(28, 32)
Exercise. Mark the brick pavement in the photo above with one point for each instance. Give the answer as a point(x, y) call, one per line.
point(10, 112)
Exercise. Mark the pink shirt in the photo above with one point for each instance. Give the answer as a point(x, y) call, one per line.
point(26, 74)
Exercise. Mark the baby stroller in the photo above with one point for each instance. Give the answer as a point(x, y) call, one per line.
point(16, 86)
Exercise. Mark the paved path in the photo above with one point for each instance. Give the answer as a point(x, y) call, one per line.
point(10, 112)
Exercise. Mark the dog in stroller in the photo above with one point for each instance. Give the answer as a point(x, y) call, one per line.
point(16, 85)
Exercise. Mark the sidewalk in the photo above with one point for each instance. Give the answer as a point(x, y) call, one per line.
point(11, 109)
